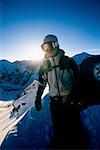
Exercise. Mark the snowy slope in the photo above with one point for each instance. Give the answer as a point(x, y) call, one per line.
point(33, 131)
point(12, 112)
point(91, 120)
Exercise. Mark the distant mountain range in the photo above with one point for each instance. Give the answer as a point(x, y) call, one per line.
point(16, 76)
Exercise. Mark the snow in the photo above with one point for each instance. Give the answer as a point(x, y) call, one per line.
point(11, 117)
point(80, 57)
point(33, 131)
point(91, 119)
point(15, 77)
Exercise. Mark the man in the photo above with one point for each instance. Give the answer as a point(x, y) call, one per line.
point(60, 72)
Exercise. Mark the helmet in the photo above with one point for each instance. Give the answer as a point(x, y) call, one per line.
point(50, 38)
point(50, 42)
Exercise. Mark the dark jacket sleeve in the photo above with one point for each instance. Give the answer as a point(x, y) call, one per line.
point(43, 81)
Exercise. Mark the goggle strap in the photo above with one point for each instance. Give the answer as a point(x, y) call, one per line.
point(56, 44)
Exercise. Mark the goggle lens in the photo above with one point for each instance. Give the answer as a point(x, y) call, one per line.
point(47, 46)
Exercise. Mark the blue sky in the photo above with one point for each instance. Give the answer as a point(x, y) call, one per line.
point(24, 23)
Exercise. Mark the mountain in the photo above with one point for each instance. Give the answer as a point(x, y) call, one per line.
point(80, 57)
point(34, 129)
point(15, 77)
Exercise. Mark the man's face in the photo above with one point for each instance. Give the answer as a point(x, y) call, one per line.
point(48, 47)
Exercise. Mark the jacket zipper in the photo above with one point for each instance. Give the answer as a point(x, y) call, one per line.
point(56, 77)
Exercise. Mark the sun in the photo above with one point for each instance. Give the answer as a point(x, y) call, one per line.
point(31, 51)
point(24, 50)
point(37, 55)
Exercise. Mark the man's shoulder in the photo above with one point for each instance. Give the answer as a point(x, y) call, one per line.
point(67, 59)
point(71, 64)
point(44, 66)
point(70, 59)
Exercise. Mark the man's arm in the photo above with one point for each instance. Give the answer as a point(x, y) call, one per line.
point(43, 81)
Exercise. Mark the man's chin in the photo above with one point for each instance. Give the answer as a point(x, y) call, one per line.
point(52, 53)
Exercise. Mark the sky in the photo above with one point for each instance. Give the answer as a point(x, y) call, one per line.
point(24, 24)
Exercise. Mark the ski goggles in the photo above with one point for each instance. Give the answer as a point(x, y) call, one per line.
point(49, 46)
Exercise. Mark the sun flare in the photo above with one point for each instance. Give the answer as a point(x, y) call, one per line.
point(37, 55)
point(32, 51)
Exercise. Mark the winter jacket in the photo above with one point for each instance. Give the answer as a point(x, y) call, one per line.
point(59, 72)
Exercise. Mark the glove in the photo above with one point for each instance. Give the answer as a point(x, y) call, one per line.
point(38, 105)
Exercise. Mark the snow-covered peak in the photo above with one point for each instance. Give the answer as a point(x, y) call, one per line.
point(15, 77)
point(80, 57)
point(5, 65)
